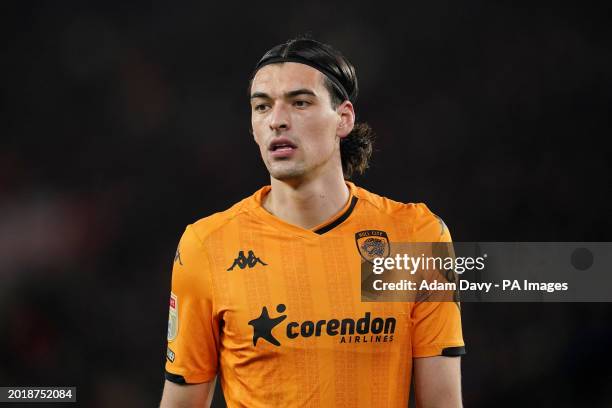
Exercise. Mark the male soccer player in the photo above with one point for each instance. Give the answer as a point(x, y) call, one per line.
point(267, 295)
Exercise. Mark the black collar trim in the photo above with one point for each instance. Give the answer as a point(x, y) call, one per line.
point(338, 220)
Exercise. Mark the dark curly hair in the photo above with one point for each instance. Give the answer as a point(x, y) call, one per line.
point(356, 148)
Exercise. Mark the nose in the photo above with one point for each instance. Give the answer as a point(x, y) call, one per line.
point(279, 117)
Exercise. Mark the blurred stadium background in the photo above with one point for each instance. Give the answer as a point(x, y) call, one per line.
point(122, 123)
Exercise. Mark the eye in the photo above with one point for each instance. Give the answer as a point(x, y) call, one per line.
point(260, 107)
point(301, 104)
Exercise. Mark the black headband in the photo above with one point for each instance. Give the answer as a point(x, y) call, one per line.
point(328, 73)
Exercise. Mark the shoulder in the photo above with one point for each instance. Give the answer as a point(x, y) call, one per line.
point(204, 227)
point(427, 226)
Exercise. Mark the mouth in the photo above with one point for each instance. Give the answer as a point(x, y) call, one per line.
point(281, 145)
point(282, 148)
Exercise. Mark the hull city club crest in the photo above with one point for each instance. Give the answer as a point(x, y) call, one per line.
point(372, 244)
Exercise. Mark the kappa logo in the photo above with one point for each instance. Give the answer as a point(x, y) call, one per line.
point(242, 261)
point(443, 226)
point(177, 257)
point(372, 244)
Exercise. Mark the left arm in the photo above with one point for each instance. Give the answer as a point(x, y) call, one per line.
point(437, 340)
point(437, 382)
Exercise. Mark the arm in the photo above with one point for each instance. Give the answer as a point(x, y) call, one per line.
point(437, 382)
point(437, 337)
point(187, 395)
point(193, 329)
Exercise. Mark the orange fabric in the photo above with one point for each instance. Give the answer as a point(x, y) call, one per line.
point(333, 350)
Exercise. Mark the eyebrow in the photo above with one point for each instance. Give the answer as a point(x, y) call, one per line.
point(290, 94)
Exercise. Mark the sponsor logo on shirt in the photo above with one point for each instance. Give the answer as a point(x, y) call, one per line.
point(366, 329)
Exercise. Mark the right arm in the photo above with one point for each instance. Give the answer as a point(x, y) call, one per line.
point(193, 329)
point(187, 395)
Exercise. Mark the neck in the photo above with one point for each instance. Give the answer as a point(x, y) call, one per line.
point(307, 203)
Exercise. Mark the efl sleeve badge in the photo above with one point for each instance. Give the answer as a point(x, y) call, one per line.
point(173, 318)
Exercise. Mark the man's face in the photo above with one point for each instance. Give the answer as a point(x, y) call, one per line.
point(293, 121)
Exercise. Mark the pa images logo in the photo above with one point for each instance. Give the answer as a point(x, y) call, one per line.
point(372, 244)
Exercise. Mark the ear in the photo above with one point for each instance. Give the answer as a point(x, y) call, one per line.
point(346, 112)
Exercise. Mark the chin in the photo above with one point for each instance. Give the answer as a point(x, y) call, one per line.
point(286, 173)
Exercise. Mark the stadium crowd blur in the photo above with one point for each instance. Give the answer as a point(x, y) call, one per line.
point(122, 124)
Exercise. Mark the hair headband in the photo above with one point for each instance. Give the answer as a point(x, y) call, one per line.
point(301, 60)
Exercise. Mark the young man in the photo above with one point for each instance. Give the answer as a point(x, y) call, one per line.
point(267, 294)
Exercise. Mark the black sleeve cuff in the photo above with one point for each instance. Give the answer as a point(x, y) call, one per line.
point(454, 351)
point(175, 378)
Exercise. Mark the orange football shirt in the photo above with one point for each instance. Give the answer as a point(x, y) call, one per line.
point(276, 309)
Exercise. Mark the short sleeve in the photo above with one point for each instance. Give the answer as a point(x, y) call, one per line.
point(193, 327)
point(436, 330)
point(436, 326)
